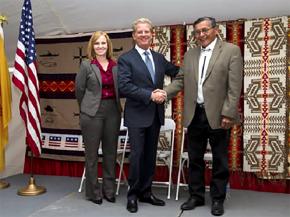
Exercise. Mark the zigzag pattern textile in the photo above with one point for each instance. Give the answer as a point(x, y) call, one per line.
point(265, 94)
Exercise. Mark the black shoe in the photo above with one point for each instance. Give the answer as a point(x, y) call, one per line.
point(152, 200)
point(217, 208)
point(110, 199)
point(97, 201)
point(191, 203)
point(132, 206)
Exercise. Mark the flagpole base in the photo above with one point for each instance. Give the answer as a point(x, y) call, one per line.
point(4, 184)
point(31, 189)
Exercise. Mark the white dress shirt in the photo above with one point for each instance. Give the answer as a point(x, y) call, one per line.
point(205, 52)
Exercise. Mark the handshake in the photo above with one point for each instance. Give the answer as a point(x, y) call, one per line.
point(158, 96)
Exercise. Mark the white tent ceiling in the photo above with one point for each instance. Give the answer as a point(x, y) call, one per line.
point(66, 17)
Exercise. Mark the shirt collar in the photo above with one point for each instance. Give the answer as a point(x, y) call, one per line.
point(110, 65)
point(141, 51)
point(210, 47)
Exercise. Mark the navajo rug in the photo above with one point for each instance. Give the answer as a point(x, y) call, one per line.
point(161, 44)
point(178, 48)
point(235, 35)
point(59, 61)
point(265, 94)
point(288, 91)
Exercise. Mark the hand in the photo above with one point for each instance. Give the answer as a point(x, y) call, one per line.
point(158, 96)
point(226, 123)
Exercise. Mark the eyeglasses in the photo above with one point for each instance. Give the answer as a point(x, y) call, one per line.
point(204, 31)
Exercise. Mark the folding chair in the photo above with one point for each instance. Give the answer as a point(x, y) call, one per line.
point(122, 150)
point(184, 158)
point(165, 151)
point(164, 155)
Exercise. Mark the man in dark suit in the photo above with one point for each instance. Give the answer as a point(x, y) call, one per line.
point(211, 77)
point(141, 76)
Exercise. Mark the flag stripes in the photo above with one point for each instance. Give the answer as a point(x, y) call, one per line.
point(26, 80)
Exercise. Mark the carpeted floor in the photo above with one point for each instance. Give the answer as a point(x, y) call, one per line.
point(63, 200)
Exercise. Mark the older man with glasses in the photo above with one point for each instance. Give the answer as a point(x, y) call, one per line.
point(211, 77)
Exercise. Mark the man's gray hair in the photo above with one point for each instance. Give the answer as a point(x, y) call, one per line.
point(142, 20)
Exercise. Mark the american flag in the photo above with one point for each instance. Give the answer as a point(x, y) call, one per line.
point(71, 142)
point(25, 79)
point(54, 141)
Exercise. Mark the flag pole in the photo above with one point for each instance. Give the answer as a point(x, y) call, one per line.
point(26, 80)
point(31, 189)
point(3, 183)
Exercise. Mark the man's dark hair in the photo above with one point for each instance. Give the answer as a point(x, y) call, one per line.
point(211, 19)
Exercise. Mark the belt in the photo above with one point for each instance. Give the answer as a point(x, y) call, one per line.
point(201, 106)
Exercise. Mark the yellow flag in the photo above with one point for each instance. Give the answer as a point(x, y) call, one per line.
point(5, 100)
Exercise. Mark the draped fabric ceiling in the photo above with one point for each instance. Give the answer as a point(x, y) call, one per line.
point(67, 17)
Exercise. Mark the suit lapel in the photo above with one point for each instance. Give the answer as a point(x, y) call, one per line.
point(215, 54)
point(195, 62)
point(97, 72)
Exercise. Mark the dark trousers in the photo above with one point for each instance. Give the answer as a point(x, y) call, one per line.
point(143, 144)
point(199, 132)
point(103, 128)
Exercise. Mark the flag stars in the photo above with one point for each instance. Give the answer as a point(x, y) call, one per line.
point(70, 139)
point(55, 138)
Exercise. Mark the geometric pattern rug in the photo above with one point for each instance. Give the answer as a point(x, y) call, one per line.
point(59, 61)
point(265, 97)
point(178, 48)
point(161, 44)
point(235, 35)
point(288, 91)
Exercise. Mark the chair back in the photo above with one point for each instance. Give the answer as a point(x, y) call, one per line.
point(169, 124)
point(166, 136)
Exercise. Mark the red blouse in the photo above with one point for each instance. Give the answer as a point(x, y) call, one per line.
point(108, 88)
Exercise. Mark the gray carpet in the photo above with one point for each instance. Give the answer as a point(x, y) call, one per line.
point(63, 200)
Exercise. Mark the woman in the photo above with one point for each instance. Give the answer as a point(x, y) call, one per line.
point(100, 115)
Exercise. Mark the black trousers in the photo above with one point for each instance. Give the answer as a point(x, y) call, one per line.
point(199, 132)
point(143, 144)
